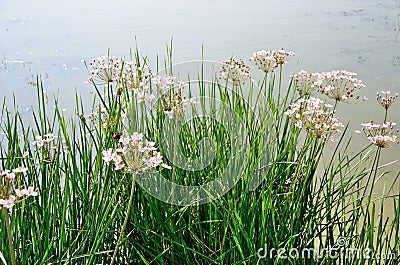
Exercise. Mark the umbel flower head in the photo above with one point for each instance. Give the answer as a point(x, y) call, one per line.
point(134, 154)
point(282, 56)
point(264, 60)
point(316, 117)
point(305, 82)
point(385, 100)
point(339, 85)
point(268, 60)
point(381, 135)
point(105, 70)
point(235, 71)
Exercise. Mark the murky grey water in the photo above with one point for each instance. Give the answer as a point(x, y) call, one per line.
point(51, 38)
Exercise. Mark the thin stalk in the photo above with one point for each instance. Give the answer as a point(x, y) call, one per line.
point(126, 219)
point(9, 235)
point(386, 113)
point(280, 83)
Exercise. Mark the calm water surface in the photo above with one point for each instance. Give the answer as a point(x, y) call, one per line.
point(51, 38)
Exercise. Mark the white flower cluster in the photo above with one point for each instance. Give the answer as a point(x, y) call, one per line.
point(305, 82)
point(385, 100)
point(8, 190)
point(268, 60)
point(105, 70)
point(236, 72)
point(134, 154)
point(316, 117)
point(381, 135)
point(339, 85)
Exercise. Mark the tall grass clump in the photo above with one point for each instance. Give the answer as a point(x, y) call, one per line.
point(228, 168)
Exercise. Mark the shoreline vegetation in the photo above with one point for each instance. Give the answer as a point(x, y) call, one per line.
point(201, 170)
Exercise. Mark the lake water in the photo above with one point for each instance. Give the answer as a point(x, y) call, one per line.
point(51, 38)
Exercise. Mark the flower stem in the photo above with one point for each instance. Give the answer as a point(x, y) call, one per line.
point(128, 209)
point(386, 113)
point(280, 83)
point(9, 234)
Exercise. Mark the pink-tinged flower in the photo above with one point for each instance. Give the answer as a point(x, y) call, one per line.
point(20, 170)
point(381, 135)
point(154, 160)
point(31, 191)
point(10, 176)
point(120, 149)
point(316, 117)
point(385, 100)
point(137, 156)
point(20, 192)
point(268, 60)
point(39, 142)
point(264, 60)
point(119, 166)
point(236, 72)
point(124, 140)
point(137, 137)
point(108, 155)
point(104, 70)
point(117, 159)
point(282, 56)
point(150, 146)
point(305, 82)
point(339, 85)
point(7, 203)
point(298, 124)
point(169, 113)
point(92, 116)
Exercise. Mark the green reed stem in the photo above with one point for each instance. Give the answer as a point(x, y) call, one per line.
point(9, 235)
point(280, 83)
point(128, 209)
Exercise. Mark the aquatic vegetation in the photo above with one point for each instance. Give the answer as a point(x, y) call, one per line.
point(10, 189)
point(83, 189)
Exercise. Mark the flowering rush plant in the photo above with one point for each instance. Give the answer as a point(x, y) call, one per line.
point(316, 117)
point(10, 192)
point(381, 135)
point(134, 154)
point(236, 72)
point(268, 60)
point(339, 85)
